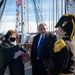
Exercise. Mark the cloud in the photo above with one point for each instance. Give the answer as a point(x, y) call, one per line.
point(10, 12)
point(8, 18)
point(7, 26)
point(32, 27)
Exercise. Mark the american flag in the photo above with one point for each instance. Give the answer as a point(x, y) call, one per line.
point(18, 2)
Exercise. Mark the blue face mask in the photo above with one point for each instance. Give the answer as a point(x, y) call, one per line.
point(12, 39)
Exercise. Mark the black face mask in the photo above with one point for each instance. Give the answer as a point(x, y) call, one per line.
point(12, 39)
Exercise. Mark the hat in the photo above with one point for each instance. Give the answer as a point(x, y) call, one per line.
point(67, 22)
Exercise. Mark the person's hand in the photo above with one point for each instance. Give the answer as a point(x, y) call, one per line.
point(20, 53)
point(26, 58)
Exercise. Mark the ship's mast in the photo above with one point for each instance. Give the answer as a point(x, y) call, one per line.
point(22, 22)
point(20, 25)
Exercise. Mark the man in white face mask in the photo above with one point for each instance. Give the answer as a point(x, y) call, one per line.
point(12, 39)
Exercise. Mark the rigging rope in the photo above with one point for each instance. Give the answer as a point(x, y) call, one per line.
point(51, 12)
point(38, 11)
point(4, 21)
point(3, 3)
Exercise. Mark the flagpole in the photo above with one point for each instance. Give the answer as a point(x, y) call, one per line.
point(22, 23)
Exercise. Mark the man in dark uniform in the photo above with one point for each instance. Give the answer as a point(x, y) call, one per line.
point(40, 49)
point(64, 47)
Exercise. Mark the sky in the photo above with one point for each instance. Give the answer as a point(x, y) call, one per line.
point(9, 16)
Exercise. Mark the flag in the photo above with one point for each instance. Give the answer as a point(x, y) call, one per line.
point(18, 2)
point(24, 5)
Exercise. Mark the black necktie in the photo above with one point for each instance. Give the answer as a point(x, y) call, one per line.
point(40, 47)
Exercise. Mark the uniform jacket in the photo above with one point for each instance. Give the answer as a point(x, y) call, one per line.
point(64, 57)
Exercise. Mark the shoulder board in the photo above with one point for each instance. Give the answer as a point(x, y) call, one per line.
point(59, 44)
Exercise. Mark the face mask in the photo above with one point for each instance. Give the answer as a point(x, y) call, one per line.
point(12, 39)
